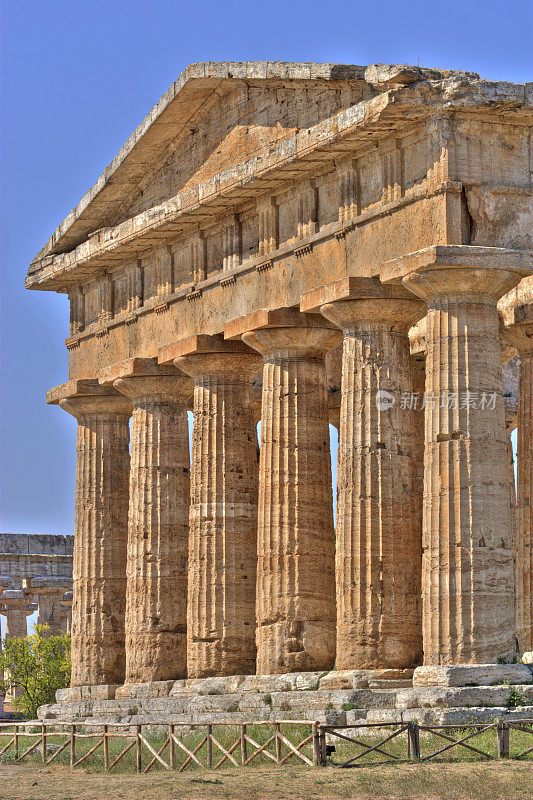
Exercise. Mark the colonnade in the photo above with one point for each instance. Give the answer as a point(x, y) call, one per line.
point(245, 572)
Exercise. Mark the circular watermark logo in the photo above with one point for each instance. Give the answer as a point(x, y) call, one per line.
point(384, 400)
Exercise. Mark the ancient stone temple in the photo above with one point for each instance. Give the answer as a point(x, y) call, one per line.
point(304, 245)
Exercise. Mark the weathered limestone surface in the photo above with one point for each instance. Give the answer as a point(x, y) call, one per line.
point(471, 674)
point(36, 555)
point(156, 610)
point(295, 565)
point(243, 698)
point(519, 330)
point(100, 539)
point(378, 537)
point(467, 566)
point(223, 513)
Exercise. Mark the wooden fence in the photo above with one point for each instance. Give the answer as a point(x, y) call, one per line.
point(308, 742)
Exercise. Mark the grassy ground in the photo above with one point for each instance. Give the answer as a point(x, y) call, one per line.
point(450, 781)
point(458, 775)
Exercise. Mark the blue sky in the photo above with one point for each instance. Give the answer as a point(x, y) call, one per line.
point(78, 76)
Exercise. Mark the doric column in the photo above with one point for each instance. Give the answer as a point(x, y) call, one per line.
point(16, 607)
point(519, 329)
point(50, 592)
point(295, 570)
point(467, 567)
point(157, 520)
point(223, 513)
point(66, 611)
point(100, 529)
point(378, 538)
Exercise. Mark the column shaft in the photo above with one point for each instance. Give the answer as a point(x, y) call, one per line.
point(99, 564)
point(379, 519)
point(295, 570)
point(157, 538)
point(467, 571)
point(223, 528)
point(524, 556)
point(49, 611)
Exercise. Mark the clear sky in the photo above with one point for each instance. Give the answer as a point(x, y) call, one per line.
point(77, 78)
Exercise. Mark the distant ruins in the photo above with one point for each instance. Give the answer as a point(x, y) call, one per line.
point(301, 244)
point(35, 575)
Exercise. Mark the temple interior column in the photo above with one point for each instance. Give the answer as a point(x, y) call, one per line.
point(378, 539)
point(156, 614)
point(223, 512)
point(467, 567)
point(100, 530)
point(519, 330)
point(295, 569)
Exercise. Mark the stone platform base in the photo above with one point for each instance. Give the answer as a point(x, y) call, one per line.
point(432, 695)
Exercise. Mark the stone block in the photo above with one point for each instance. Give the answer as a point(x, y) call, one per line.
point(75, 694)
point(471, 675)
point(435, 697)
point(290, 682)
point(145, 690)
point(362, 678)
point(527, 658)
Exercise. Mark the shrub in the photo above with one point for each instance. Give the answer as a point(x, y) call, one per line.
point(39, 665)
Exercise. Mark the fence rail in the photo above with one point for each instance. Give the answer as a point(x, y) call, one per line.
point(169, 745)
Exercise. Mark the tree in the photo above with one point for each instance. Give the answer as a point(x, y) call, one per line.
point(39, 664)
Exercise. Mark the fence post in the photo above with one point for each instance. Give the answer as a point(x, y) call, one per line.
point(172, 750)
point(72, 745)
point(244, 749)
point(16, 742)
point(278, 742)
point(106, 749)
point(322, 746)
point(503, 739)
point(209, 747)
point(43, 741)
point(413, 733)
point(138, 746)
point(316, 745)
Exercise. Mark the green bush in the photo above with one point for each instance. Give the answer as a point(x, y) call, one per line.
point(39, 665)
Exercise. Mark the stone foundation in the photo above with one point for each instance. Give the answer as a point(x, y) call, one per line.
point(448, 695)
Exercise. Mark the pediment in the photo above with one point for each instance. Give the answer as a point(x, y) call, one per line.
point(214, 116)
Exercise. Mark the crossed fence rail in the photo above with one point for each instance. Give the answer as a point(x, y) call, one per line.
point(283, 740)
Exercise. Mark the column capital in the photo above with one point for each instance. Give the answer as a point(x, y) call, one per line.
point(518, 327)
point(353, 300)
point(202, 354)
point(459, 272)
point(144, 377)
point(17, 599)
point(285, 329)
point(86, 396)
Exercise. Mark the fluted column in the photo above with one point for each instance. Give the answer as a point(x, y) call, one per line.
point(100, 531)
point(16, 608)
point(223, 513)
point(520, 331)
point(467, 567)
point(379, 519)
point(49, 591)
point(295, 569)
point(156, 615)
